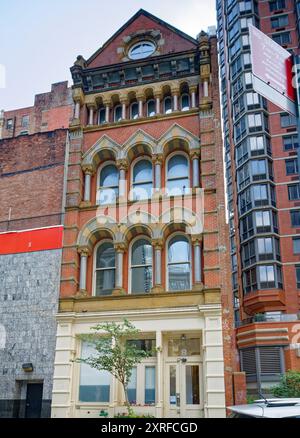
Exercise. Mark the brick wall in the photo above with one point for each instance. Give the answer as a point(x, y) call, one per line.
point(31, 180)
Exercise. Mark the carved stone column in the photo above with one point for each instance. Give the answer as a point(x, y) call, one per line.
point(123, 167)
point(157, 162)
point(84, 254)
point(157, 245)
point(107, 104)
point(196, 168)
point(88, 173)
point(124, 102)
point(141, 100)
point(175, 94)
point(120, 248)
point(197, 245)
point(92, 109)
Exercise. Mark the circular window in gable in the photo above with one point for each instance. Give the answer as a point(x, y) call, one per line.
point(141, 50)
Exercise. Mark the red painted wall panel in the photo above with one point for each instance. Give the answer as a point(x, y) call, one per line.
point(31, 241)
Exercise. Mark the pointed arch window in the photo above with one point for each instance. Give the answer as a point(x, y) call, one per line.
point(141, 266)
point(105, 269)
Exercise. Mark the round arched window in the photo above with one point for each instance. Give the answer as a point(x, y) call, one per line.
point(141, 50)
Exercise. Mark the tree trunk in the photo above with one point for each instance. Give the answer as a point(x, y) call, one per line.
point(127, 403)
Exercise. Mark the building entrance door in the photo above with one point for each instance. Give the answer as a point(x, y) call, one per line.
point(34, 397)
point(184, 389)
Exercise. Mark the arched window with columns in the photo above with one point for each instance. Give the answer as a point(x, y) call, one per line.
point(179, 269)
point(104, 268)
point(108, 184)
point(178, 174)
point(142, 179)
point(141, 266)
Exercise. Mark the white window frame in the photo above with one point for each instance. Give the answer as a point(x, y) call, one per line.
point(141, 380)
point(98, 188)
point(138, 44)
point(95, 263)
point(179, 233)
point(96, 404)
point(170, 156)
point(133, 164)
point(140, 237)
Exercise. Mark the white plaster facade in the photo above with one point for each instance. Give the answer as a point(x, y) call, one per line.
point(203, 322)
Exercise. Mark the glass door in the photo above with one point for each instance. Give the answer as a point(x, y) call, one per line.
point(184, 389)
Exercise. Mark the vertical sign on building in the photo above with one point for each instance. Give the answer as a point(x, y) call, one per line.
point(272, 67)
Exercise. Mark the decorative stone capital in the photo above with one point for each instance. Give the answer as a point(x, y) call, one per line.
point(120, 247)
point(107, 101)
point(88, 169)
point(124, 100)
point(175, 90)
point(78, 95)
point(194, 154)
point(84, 251)
point(157, 243)
point(122, 164)
point(157, 93)
point(91, 106)
point(197, 239)
point(193, 88)
point(157, 159)
point(140, 96)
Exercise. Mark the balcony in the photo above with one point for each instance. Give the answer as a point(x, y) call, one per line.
point(262, 318)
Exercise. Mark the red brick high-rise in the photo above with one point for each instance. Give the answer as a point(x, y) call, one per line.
point(261, 147)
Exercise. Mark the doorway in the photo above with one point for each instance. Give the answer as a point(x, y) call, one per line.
point(34, 397)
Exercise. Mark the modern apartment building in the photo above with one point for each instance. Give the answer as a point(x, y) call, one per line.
point(146, 135)
point(261, 147)
point(33, 157)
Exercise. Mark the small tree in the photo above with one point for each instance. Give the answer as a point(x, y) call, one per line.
point(115, 354)
point(289, 385)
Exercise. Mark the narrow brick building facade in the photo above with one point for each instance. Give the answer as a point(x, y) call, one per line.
point(146, 134)
point(33, 154)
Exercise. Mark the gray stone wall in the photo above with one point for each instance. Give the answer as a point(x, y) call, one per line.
point(29, 290)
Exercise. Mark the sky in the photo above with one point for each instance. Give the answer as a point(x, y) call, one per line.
point(40, 39)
